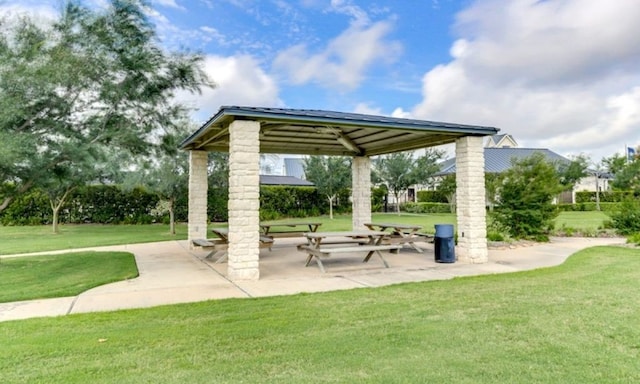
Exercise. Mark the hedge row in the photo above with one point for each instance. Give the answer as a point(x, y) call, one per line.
point(431, 197)
point(605, 197)
point(426, 208)
point(102, 204)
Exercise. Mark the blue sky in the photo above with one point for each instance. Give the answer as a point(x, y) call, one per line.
point(557, 74)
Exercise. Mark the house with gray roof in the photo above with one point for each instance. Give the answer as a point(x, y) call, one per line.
point(501, 150)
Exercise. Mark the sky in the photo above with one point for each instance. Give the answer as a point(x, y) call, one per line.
point(556, 74)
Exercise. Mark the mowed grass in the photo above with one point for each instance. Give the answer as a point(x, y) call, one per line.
point(576, 323)
point(25, 239)
point(588, 220)
point(14, 240)
point(36, 277)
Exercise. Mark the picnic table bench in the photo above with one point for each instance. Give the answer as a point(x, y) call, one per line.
point(318, 245)
point(269, 230)
point(221, 244)
point(401, 233)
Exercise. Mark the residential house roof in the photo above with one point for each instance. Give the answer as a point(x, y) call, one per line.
point(497, 160)
point(284, 180)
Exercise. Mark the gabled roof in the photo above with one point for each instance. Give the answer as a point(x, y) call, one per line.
point(498, 160)
point(317, 132)
point(284, 180)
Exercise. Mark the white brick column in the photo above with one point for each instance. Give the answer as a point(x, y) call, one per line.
point(361, 192)
point(470, 200)
point(197, 196)
point(244, 200)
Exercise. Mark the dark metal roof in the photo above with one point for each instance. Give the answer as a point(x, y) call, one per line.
point(284, 180)
point(317, 132)
point(497, 160)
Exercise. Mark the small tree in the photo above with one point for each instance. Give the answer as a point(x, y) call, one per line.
point(396, 171)
point(569, 174)
point(448, 187)
point(526, 196)
point(628, 178)
point(330, 174)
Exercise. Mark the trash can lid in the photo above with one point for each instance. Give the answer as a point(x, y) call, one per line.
point(444, 230)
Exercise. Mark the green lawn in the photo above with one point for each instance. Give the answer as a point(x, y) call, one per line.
point(576, 323)
point(40, 238)
point(35, 277)
point(589, 220)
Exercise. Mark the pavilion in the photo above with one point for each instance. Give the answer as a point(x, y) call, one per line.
point(246, 132)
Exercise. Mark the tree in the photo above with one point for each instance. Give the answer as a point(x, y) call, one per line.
point(426, 166)
point(492, 182)
point(615, 163)
point(330, 174)
point(396, 171)
point(628, 178)
point(448, 187)
point(94, 82)
point(572, 172)
point(526, 195)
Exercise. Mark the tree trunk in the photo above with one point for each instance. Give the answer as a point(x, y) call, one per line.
point(597, 194)
point(330, 198)
point(55, 208)
point(396, 195)
point(54, 223)
point(7, 200)
point(172, 219)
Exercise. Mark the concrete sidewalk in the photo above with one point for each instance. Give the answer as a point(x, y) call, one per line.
point(170, 273)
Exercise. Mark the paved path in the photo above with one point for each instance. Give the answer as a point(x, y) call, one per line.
point(170, 273)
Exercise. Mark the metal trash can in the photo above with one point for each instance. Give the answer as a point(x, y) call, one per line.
point(444, 245)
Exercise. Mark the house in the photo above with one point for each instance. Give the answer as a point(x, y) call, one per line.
point(501, 150)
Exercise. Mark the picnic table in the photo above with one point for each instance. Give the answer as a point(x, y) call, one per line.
point(400, 233)
point(221, 244)
point(319, 245)
point(269, 230)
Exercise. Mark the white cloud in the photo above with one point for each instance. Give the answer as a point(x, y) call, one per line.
point(239, 80)
point(556, 74)
point(342, 64)
point(169, 4)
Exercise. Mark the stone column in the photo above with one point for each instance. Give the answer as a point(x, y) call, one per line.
point(244, 200)
point(470, 200)
point(361, 192)
point(197, 196)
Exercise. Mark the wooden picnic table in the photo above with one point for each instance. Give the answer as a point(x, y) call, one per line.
point(315, 248)
point(221, 244)
point(400, 233)
point(269, 230)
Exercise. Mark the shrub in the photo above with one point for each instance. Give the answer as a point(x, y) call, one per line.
point(425, 208)
point(626, 219)
point(526, 193)
point(437, 196)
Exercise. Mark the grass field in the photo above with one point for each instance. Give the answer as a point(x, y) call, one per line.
point(576, 323)
point(36, 277)
point(37, 239)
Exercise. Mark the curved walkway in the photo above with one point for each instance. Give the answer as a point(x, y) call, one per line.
point(170, 273)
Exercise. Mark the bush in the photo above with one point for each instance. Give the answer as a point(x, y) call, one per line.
point(425, 208)
point(605, 197)
point(437, 196)
point(626, 219)
point(526, 193)
point(290, 201)
point(606, 207)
